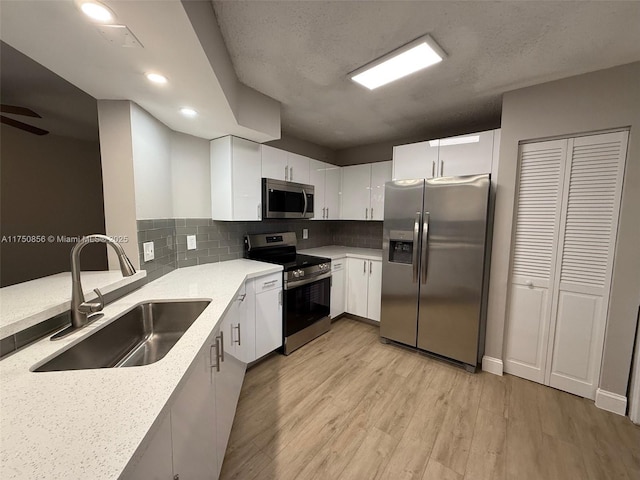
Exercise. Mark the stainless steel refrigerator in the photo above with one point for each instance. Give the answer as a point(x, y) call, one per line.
point(433, 264)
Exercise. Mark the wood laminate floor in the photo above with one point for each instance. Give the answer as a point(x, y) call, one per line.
point(348, 407)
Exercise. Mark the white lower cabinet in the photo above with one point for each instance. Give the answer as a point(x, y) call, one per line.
point(268, 321)
point(364, 287)
point(338, 274)
point(156, 462)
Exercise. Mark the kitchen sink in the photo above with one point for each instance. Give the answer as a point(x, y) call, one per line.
point(140, 336)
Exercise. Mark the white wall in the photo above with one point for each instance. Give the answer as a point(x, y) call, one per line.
point(190, 176)
point(586, 103)
point(114, 124)
point(151, 147)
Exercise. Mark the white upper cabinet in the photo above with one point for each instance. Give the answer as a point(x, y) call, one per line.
point(326, 180)
point(466, 154)
point(332, 192)
point(380, 174)
point(298, 168)
point(317, 178)
point(415, 160)
point(363, 191)
point(356, 197)
point(274, 162)
point(235, 179)
point(283, 165)
point(471, 154)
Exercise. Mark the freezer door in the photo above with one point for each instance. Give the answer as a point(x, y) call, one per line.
point(400, 260)
point(453, 236)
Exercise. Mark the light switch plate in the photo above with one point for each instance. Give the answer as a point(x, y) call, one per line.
point(305, 233)
point(148, 251)
point(191, 242)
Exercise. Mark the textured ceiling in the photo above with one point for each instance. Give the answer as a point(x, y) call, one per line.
point(301, 52)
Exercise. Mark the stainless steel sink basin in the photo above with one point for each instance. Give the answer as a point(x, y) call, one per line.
point(140, 336)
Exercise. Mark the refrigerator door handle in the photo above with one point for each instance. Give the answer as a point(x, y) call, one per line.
point(425, 249)
point(416, 243)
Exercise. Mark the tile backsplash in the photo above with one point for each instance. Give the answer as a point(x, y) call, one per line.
point(219, 241)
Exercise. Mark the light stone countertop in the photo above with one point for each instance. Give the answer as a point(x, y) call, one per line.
point(88, 424)
point(336, 251)
point(26, 304)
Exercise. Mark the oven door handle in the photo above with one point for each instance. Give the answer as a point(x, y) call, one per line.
point(288, 285)
point(304, 195)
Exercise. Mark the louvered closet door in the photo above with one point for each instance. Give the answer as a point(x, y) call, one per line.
point(535, 246)
point(592, 190)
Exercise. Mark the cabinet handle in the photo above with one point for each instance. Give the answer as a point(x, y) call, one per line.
point(366, 214)
point(217, 362)
point(364, 265)
point(280, 297)
point(338, 265)
point(221, 350)
point(370, 266)
point(176, 477)
point(327, 212)
point(433, 169)
point(291, 173)
point(286, 173)
point(371, 213)
point(529, 283)
point(271, 282)
point(238, 341)
point(442, 168)
point(241, 297)
point(259, 212)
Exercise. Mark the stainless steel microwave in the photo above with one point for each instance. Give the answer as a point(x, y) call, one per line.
point(286, 199)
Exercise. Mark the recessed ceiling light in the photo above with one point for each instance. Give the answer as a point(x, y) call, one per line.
point(188, 112)
point(96, 11)
point(410, 58)
point(156, 78)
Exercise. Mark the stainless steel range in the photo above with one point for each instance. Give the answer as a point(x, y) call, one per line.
point(307, 286)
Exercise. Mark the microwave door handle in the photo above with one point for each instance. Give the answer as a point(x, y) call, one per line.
point(416, 247)
point(425, 249)
point(304, 210)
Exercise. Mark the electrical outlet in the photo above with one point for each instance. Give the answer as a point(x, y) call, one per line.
point(149, 255)
point(191, 242)
point(305, 233)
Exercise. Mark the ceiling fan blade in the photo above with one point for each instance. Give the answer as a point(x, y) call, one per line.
point(27, 112)
point(22, 126)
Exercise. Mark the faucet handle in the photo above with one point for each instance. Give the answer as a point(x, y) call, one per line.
point(87, 307)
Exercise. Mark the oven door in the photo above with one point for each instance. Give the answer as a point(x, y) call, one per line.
point(286, 199)
point(306, 302)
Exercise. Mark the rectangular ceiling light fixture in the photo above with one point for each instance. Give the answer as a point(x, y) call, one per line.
point(421, 53)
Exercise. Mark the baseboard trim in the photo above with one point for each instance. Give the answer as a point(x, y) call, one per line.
point(611, 402)
point(492, 365)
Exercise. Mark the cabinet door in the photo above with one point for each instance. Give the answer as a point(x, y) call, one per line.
point(247, 187)
point(356, 197)
point(338, 270)
point(374, 293)
point(241, 326)
point(268, 321)
point(317, 173)
point(156, 461)
point(466, 154)
point(537, 223)
point(357, 286)
point(274, 162)
point(298, 168)
point(415, 160)
point(193, 422)
point(228, 383)
point(332, 192)
point(380, 174)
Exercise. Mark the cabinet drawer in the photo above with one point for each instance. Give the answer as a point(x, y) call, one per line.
point(268, 282)
point(339, 264)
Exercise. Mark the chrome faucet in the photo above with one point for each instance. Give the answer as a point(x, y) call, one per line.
point(80, 309)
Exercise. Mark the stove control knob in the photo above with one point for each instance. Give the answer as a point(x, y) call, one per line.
point(301, 273)
point(296, 273)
